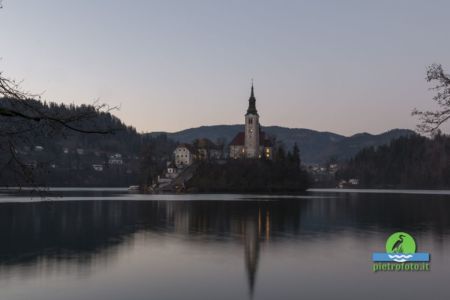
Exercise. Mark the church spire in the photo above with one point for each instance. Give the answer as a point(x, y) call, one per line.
point(252, 103)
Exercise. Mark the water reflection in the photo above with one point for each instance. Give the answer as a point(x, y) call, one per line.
point(81, 236)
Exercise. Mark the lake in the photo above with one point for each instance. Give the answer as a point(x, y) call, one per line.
point(108, 244)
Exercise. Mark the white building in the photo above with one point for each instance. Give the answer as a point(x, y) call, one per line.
point(184, 155)
point(171, 170)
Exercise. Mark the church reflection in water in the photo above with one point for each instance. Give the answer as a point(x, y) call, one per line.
point(254, 234)
point(250, 223)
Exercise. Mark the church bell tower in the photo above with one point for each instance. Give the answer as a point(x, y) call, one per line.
point(252, 128)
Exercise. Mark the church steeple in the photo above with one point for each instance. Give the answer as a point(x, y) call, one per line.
point(252, 103)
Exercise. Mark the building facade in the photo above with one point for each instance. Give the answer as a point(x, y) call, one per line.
point(184, 155)
point(253, 142)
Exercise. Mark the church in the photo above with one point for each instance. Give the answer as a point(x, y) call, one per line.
point(253, 143)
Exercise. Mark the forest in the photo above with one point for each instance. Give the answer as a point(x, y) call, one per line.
point(414, 161)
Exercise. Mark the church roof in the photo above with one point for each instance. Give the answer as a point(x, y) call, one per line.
point(239, 139)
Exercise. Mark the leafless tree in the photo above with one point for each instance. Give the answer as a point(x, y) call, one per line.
point(430, 121)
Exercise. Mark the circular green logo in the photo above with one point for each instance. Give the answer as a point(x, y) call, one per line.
point(400, 242)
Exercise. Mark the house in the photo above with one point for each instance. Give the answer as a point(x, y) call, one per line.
point(97, 167)
point(253, 142)
point(184, 155)
point(353, 181)
point(115, 159)
point(171, 170)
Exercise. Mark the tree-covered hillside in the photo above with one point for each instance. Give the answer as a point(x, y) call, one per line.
point(43, 153)
point(407, 162)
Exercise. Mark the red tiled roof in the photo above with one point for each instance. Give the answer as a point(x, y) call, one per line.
point(239, 140)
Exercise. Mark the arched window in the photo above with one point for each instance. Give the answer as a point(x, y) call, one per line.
point(250, 121)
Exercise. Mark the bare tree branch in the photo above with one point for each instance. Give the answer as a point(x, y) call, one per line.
point(430, 121)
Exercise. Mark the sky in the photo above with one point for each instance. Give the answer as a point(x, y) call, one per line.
point(339, 66)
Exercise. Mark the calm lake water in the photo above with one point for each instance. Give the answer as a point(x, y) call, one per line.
point(108, 244)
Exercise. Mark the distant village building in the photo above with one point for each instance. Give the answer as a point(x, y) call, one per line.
point(253, 142)
point(115, 159)
point(98, 167)
point(171, 171)
point(353, 181)
point(184, 155)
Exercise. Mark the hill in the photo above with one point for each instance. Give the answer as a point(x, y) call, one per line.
point(315, 146)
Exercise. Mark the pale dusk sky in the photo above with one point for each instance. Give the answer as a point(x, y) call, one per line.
point(340, 66)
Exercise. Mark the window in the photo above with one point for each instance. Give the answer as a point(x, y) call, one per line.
point(250, 121)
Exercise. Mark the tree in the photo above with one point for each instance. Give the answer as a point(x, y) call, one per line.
point(296, 156)
point(280, 153)
point(430, 121)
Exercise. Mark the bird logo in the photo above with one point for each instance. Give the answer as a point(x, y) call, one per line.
point(400, 246)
